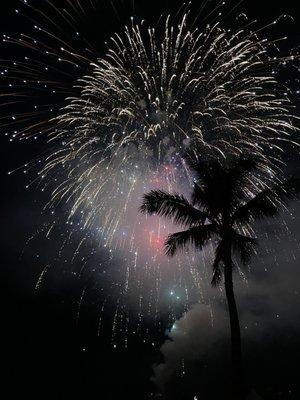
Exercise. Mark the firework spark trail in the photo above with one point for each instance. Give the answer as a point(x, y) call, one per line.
point(41, 278)
point(149, 99)
point(156, 92)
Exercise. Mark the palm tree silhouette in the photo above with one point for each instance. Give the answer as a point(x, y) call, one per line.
point(227, 198)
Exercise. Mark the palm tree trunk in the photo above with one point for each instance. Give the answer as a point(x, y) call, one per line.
point(236, 347)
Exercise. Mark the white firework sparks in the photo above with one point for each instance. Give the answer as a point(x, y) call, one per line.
point(154, 95)
point(157, 92)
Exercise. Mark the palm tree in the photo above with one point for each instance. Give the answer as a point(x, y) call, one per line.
point(227, 198)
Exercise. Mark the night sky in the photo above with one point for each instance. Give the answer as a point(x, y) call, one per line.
point(50, 346)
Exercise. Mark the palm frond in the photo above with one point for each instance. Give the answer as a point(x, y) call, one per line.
point(267, 203)
point(241, 168)
point(173, 206)
point(196, 236)
point(236, 168)
point(244, 245)
point(221, 185)
point(198, 195)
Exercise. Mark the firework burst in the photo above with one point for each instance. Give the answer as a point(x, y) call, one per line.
point(157, 92)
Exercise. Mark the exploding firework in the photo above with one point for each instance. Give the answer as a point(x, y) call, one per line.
point(151, 97)
point(157, 92)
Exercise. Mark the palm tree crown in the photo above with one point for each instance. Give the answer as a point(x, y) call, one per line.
point(225, 201)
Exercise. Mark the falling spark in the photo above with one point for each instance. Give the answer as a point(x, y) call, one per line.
point(41, 278)
point(123, 129)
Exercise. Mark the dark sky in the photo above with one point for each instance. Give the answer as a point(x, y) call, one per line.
point(47, 353)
